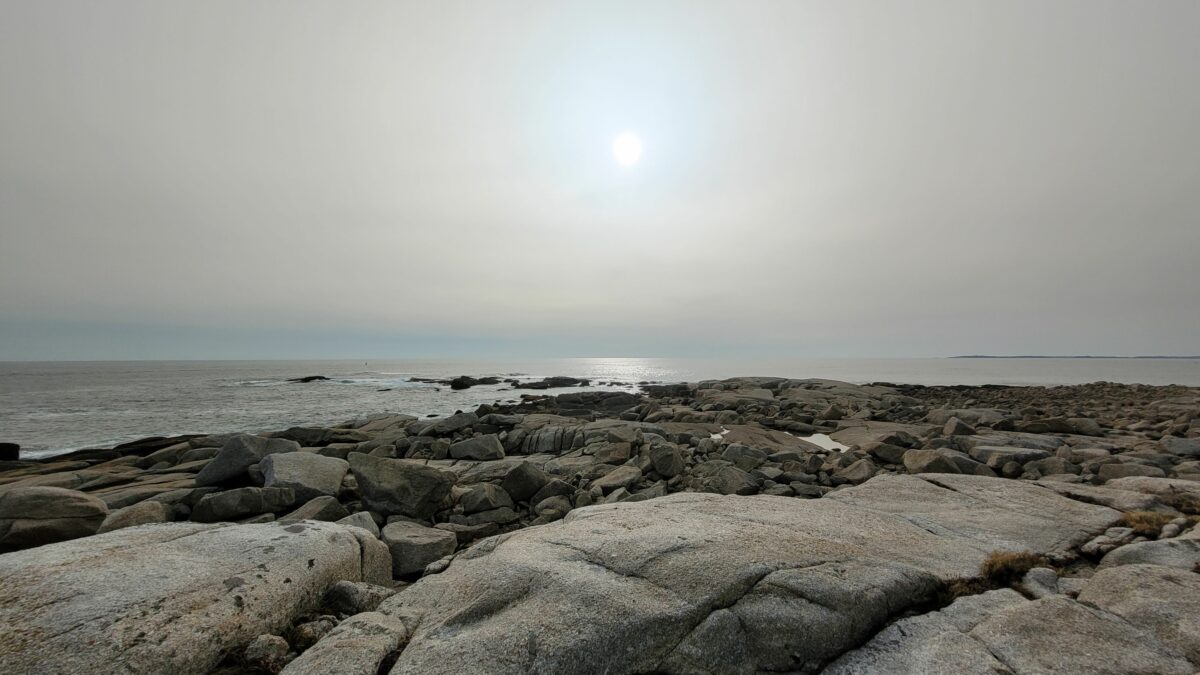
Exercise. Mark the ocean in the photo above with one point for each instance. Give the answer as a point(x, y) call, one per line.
point(53, 407)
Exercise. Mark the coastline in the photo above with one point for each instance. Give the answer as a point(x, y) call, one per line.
point(426, 514)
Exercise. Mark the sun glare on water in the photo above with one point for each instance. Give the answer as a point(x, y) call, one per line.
point(627, 149)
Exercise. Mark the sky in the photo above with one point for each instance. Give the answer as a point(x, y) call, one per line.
point(297, 179)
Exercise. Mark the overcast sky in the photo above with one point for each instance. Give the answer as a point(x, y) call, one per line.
point(385, 179)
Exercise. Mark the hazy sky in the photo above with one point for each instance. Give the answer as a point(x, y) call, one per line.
point(385, 179)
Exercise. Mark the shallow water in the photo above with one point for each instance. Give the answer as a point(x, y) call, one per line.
point(52, 407)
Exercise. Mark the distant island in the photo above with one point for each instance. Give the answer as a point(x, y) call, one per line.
point(1043, 356)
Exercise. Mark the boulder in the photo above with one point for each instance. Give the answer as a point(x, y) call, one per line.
point(486, 447)
point(397, 486)
point(357, 646)
point(267, 653)
point(1163, 601)
point(1113, 471)
point(523, 481)
point(308, 474)
point(325, 508)
point(10, 452)
point(997, 456)
point(141, 513)
point(202, 591)
point(237, 454)
point(361, 519)
point(666, 460)
point(414, 546)
point(352, 597)
point(1180, 553)
point(1182, 447)
point(621, 477)
point(33, 516)
point(696, 582)
point(241, 502)
point(484, 497)
point(943, 460)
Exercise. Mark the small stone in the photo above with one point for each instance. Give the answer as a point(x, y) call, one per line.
point(353, 597)
point(268, 652)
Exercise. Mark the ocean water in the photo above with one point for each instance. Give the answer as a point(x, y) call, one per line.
point(50, 408)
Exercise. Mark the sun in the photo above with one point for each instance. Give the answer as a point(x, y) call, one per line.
point(627, 149)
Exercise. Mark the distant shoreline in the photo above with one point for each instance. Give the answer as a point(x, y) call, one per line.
point(987, 356)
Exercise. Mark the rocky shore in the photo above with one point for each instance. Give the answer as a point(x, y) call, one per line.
point(748, 525)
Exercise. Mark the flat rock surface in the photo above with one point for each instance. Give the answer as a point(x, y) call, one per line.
point(987, 513)
point(171, 597)
point(705, 583)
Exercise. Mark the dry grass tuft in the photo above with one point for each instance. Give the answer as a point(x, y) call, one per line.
point(1145, 523)
point(1002, 568)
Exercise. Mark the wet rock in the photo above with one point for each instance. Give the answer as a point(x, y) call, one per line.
point(33, 516)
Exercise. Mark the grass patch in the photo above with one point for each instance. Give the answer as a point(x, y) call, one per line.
point(1000, 569)
point(1145, 523)
point(1005, 567)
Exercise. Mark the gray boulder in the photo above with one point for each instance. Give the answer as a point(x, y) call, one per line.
point(943, 460)
point(621, 477)
point(667, 460)
point(237, 455)
point(33, 516)
point(523, 481)
point(352, 597)
point(319, 508)
point(241, 502)
point(483, 448)
point(1163, 601)
point(1179, 553)
point(141, 513)
point(484, 497)
point(414, 546)
point(397, 486)
point(1183, 447)
point(308, 474)
point(997, 456)
point(361, 519)
point(357, 646)
point(201, 591)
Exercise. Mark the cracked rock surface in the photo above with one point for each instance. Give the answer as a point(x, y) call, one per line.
point(715, 584)
point(171, 597)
